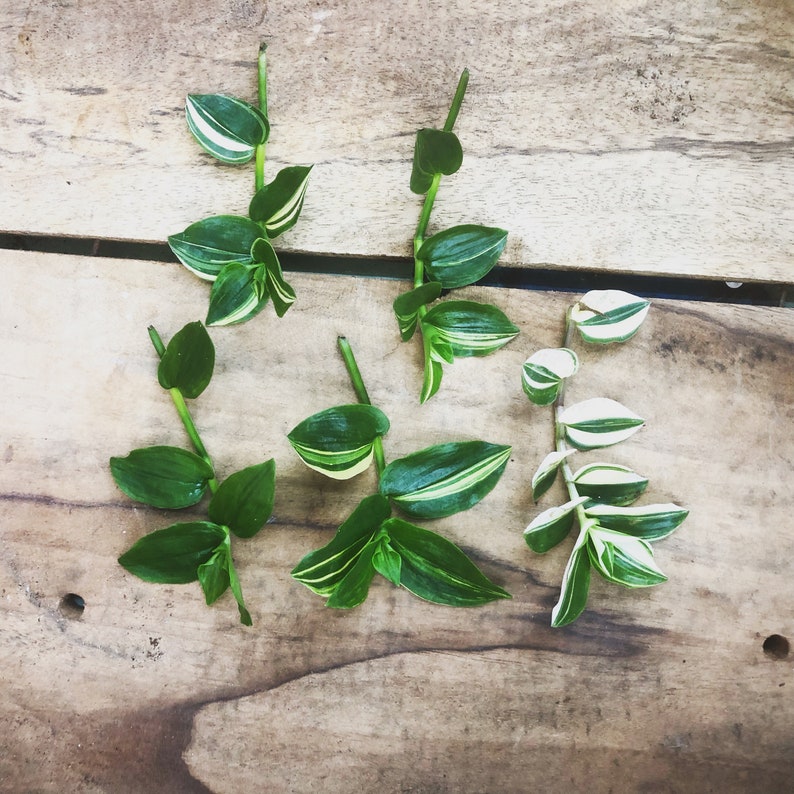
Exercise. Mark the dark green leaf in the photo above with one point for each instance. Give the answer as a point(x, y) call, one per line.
point(407, 306)
point(470, 328)
point(575, 587)
point(188, 361)
point(386, 561)
point(213, 575)
point(235, 296)
point(174, 554)
point(244, 500)
point(552, 526)
point(278, 204)
point(234, 583)
point(166, 477)
point(461, 255)
point(435, 152)
point(353, 588)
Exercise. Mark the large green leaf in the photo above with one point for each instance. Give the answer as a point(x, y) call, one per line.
point(609, 483)
point(237, 295)
point(278, 204)
point(551, 526)
point(599, 422)
point(611, 315)
point(575, 586)
point(649, 522)
point(470, 328)
point(435, 152)
point(174, 554)
point(207, 245)
point(461, 255)
point(436, 570)
point(229, 129)
point(188, 361)
point(546, 473)
point(544, 372)
point(244, 500)
point(407, 306)
point(160, 476)
point(338, 442)
point(623, 559)
point(444, 479)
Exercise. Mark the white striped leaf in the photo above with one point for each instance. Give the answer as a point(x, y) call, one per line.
point(272, 276)
point(599, 422)
point(575, 585)
point(623, 559)
point(237, 294)
point(444, 479)
point(354, 587)
point(229, 129)
point(609, 483)
point(278, 204)
point(544, 477)
point(432, 376)
point(551, 526)
point(462, 255)
point(207, 245)
point(407, 306)
point(470, 328)
point(649, 522)
point(338, 442)
point(544, 372)
point(604, 316)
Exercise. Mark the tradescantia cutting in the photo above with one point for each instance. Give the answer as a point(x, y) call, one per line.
point(615, 536)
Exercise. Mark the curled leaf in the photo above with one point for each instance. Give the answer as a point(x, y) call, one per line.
point(237, 295)
point(407, 306)
point(575, 585)
point(623, 559)
point(546, 473)
point(544, 372)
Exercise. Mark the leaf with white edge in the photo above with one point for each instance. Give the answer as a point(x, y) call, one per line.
point(354, 587)
point(611, 315)
point(271, 277)
point(206, 246)
point(432, 374)
point(544, 372)
point(229, 129)
point(407, 306)
point(435, 152)
point(599, 422)
point(470, 328)
point(623, 559)
point(188, 361)
point(444, 479)
point(462, 255)
point(338, 442)
point(649, 522)
point(544, 477)
point(609, 483)
point(575, 586)
point(278, 204)
point(386, 561)
point(552, 526)
point(236, 296)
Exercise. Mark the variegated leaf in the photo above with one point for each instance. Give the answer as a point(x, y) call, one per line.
point(229, 129)
point(407, 306)
point(623, 559)
point(649, 522)
point(544, 477)
point(609, 483)
point(544, 372)
point(599, 422)
point(237, 295)
point(470, 328)
point(278, 204)
point(575, 585)
point(274, 282)
point(604, 316)
point(546, 530)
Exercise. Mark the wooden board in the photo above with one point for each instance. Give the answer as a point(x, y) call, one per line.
point(667, 689)
point(626, 136)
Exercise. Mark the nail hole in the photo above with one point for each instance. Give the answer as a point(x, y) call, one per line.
point(72, 605)
point(776, 646)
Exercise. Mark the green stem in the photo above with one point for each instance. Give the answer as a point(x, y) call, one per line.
point(457, 101)
point(259, 171)
point(184, 412)
point(361, 393)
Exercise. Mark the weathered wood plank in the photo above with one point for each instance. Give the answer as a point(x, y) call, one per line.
point(668, 689)
point(630, 136)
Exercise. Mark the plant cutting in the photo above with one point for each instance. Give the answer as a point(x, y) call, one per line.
point(451, 258)
point(173, 478)
point(235, 252)
point(437, 481)
point(614, 536)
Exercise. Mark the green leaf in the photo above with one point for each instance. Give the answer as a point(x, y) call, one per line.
point(234, 583)
point(206, 246)
point(649, 522)
point(544, 477)
point(575, 586)
point(444, 479)
point(174, 554)
point(386, 561)
point(470, 328)
point(278, 204)
point(236, 296)
point(167, 477)
point(407, 306)
point(599, 422)
point(229, 129)
point(605, 316)
point(244, 500)
point(623, 559)
point(274, 283)
point(609, 483)
point(323, 569)
point(552, 526)
point(354, 587)
point(462, 255)
point(338, 442)
point(436, 570)
point(432, 374)
point(188, 361)
point(213, 576)
point(435, 152)
point(544, 372)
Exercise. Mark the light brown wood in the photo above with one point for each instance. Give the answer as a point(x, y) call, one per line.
point(667, 689)
point(626, 136)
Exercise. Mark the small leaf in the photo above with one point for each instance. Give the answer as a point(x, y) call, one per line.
point(604, 316)
point(407, 306)
point(462, 255)
point(354, 587)
point(213, 576)
point(575, 586)
point(174, 554)
point(206, 246)
point(623, 559)
point(435, 152)
point(274, 282)
point(544, 477)
point(236, 296)
point(552, 526)
point(237, 591)
point(323, 569)
point(278, 204)
point(444, 479)
point(244, 500)
point(544, 372)
point(609, 483)
point(432, 374)
point(470, 328)
point(599, 422)
point(188, 361)
point(649, 522)
point(338, 442)
point(436, 570)
point(229, 129)
point(386, 561)
point(166, 477)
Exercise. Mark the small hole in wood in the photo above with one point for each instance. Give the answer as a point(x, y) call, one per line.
point(776, 646)
point(72, 605)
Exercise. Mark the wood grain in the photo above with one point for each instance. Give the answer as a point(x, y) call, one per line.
point(629, 136)
point(667, 689)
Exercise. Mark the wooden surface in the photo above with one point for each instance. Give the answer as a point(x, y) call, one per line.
point(626, 136)
point(667, 689)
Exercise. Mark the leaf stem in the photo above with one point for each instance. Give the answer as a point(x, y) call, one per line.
point(361, 393)
point(259, 171)
point(184, 412)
